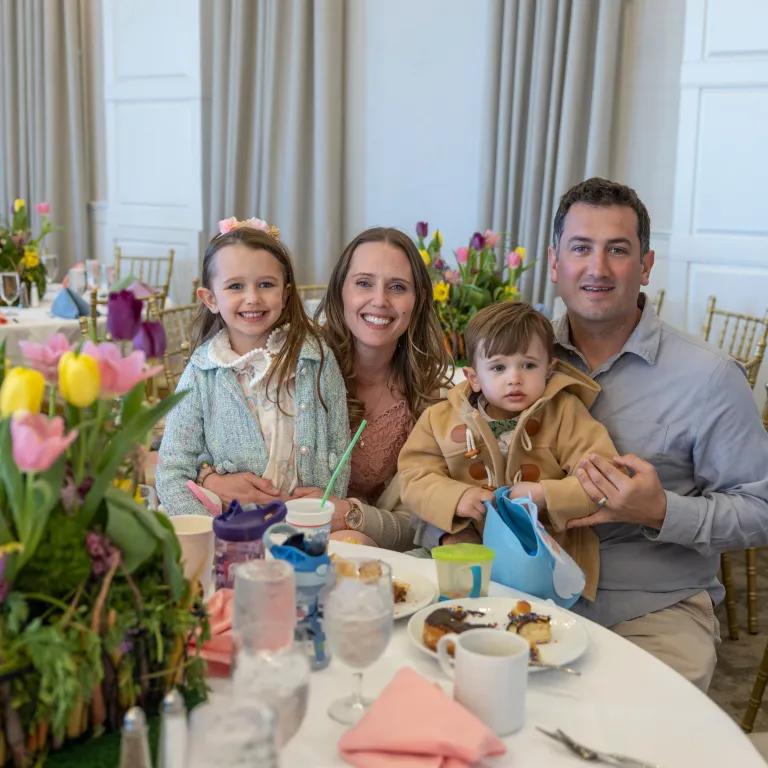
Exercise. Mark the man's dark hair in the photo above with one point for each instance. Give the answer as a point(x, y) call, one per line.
point(602, 193)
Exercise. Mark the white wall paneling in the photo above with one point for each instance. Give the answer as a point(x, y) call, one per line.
point(719, 241)
point(154, 94)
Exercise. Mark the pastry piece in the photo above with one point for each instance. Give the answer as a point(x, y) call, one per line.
point(400, 590)
point(369, 571)
point(447, 621)
point(534, 627)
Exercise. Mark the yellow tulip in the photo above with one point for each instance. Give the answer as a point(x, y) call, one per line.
point(31, 257)
point(440, 291)
point(22, 390)
point(425, 257)
point(510, 294)
point(79, 379)
point(439, 236)
point(18, 205)
point(521, 251)
point(125, 486)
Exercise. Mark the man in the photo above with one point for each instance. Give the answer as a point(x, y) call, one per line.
point(682, 414)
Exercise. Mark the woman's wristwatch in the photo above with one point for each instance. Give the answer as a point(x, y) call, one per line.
point(353, 517)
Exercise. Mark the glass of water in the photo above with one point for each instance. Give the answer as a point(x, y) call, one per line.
point(267, 669)
point(10, 289)
point(51, 264)
point(358, 622)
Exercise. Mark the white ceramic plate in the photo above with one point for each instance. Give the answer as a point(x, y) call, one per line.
point(421, 591)
point(569, 638)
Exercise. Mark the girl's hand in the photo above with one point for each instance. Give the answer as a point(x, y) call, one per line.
point(246, 487)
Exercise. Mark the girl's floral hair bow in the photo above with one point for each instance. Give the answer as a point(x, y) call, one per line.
point(227, 225)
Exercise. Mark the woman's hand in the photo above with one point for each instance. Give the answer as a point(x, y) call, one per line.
point(246, 487)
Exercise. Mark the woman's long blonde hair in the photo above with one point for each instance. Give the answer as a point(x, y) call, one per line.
point(421, 361)
point(207, 324)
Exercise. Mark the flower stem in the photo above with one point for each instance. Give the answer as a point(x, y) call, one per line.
point(52, 402)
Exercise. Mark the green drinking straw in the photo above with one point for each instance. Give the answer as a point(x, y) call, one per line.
point(343, 461)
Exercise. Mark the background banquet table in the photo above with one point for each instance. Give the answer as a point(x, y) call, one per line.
point(625, 701)
point(38, 324)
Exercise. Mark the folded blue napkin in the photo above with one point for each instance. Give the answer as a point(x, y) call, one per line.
point(69, 305)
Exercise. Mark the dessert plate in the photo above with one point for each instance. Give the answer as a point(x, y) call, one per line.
point(569, 637)
point(421, 591)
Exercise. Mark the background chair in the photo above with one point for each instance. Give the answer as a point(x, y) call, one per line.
point(177, 322)
point(89, 325)
point(744, 338)
point(658, 301)
point(155, 271)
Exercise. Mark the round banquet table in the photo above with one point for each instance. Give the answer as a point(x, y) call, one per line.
point(625, 701)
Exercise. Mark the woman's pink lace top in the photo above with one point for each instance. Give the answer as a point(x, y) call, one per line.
point(374, 458)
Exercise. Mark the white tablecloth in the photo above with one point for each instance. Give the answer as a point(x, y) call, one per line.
point(37, 324)
point(625, 701)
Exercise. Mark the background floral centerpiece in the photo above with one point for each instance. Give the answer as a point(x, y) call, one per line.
point(95, 613)
point(20, 250)
point(477, 281)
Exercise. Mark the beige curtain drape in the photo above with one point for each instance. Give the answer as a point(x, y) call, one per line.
point(551, 105)
point(49, 50)
point(276, 123)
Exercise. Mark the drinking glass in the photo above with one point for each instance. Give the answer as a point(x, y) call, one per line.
point(92, 273)
point(107, 278)
point(358, 623)
point(268, 670)
point(10, 289)
point(265, 591)
point(51, 264)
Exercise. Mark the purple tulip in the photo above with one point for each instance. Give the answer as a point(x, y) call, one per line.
point(477, 242)
point(150, 340)
point(422, 228)
point(123, 315)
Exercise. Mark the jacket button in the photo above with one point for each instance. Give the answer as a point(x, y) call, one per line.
point(303, 407)
point(304, 450)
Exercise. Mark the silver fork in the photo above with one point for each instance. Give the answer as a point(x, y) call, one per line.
point(585, 753)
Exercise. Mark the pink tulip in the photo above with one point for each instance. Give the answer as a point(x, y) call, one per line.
point(462, 254)
point(453, 277)
point(45, 357)
point(491, 238)
point(225, 225)
point(43, 208)
point(119, 374)
point(514, 259)
point(38, 441)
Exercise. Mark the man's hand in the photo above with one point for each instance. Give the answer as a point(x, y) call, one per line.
point(534, 491)
point(639, 499)
point(246, 487)
point(471, 503)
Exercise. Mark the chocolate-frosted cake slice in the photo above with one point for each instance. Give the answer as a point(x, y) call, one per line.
point(446, 621)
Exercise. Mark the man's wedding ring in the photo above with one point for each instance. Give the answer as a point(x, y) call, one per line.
point(602, 501)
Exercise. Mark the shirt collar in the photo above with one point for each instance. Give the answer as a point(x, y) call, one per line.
point(644, 341)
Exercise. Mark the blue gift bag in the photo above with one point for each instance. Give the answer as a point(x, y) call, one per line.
point(527, 557)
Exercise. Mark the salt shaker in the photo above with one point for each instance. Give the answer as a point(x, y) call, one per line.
point(173, 739)
point(134, 745)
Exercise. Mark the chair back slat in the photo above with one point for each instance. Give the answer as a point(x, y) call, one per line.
point(155, 271)
point(742, 336)
point(177, 322)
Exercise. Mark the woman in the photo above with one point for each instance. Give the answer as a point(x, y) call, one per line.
point(381, 326)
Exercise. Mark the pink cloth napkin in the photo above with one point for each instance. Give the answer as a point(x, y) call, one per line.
point(141, 290)
point(413, 724)
point(217, 651)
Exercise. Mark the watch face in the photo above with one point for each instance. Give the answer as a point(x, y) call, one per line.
point(353, 518)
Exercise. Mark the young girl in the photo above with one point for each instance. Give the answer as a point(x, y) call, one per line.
point(266, 402)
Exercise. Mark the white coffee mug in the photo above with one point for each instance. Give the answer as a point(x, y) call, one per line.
point(195, 534)
point(310, 517)
point(490, 674)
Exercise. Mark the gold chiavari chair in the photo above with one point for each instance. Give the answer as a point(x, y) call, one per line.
point(756, 697)
point(744, 338)
point(154, 271)
point(177, 322)
point(311, 292)
point(658, 301)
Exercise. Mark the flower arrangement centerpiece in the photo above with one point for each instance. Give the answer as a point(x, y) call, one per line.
point(19, 250)
point(95, 613)
point(477, 281)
